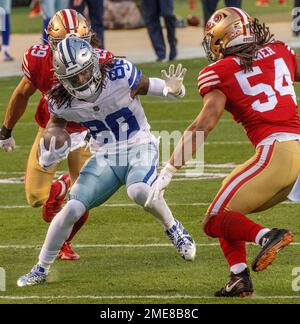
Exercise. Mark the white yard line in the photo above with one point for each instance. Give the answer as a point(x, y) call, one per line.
point(141, 297)
point(134, 205)
point(118, 246)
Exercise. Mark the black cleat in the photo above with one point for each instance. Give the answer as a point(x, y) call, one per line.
point(271, 244)
point(240, 285)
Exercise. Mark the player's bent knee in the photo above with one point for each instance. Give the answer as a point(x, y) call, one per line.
point(138, 193)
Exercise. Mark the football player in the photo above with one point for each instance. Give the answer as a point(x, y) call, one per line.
point(262, 72)
point(37, 67)
point(105, 99)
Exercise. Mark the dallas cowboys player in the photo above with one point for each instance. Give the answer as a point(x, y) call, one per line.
point(104, 98)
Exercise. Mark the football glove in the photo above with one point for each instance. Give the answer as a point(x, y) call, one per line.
point(7, 142)
point(79, 140)
point(158, 188)
point(174, 81)
point(51, 157)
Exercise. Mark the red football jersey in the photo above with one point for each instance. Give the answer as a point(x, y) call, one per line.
point(263, 100)
point(37, 66)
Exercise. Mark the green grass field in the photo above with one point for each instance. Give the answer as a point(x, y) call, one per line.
point(21, 24)
point(109, 270)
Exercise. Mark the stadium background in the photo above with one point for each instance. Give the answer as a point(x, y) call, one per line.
point(125, 256)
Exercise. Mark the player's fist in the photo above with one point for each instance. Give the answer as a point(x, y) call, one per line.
point(174, 80)
point(7, 142)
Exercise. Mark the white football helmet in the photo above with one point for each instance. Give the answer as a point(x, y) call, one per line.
point(77, 67)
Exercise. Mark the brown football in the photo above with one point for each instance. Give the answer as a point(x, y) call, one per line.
point(193, 21)
point(60, 134)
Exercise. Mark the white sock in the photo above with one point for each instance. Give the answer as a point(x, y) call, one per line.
point(139, 192)
point(59, 231)
point(238, 268)
point(5, 48)
point(261, 234)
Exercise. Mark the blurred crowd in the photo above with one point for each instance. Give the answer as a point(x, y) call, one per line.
point(126, 14)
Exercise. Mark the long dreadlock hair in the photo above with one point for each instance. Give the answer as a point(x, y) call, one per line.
point(248, 52)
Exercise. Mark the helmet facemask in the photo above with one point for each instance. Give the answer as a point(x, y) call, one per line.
point(53, 42)
point(212, 57)
point(78, 69)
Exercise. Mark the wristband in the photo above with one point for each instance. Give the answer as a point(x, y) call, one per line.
point(5, 133)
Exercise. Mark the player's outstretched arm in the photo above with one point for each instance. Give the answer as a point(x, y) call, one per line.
point(15, 110)
point(169, 86)
point(214, 105)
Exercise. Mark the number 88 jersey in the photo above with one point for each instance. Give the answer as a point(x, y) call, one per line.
point(262, 100)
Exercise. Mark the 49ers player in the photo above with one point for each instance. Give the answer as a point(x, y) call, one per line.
point(37, 67)
point(251, 77)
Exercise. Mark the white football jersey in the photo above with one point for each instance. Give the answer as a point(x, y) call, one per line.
point(114, 118)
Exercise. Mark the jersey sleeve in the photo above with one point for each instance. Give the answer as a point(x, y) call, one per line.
point(104, 56)
point(291, 58)
point(209, 79)
point(132, 74)
point(53, 110)
point(28, 66)
point(34, 65)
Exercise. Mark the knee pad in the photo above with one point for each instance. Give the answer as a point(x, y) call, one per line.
point(139, 192)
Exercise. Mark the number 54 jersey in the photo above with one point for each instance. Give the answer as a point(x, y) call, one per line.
point(115, 119)
point(262, 100)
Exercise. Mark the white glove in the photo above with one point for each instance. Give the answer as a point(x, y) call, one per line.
point(8, 144)
point(159, 186)
point(174, 81)
point(78, 140)
point(51, 157)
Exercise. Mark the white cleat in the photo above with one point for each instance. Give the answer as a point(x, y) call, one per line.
point(37, 276)
point(182, 240)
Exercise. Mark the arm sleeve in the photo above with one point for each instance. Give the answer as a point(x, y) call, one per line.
point(28, 66)
point(133, 75)
point(292, 61)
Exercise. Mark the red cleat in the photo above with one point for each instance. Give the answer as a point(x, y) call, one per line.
point(66, 253)
point(59, 190)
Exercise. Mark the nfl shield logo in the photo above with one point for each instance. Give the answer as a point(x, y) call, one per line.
point(96, 108)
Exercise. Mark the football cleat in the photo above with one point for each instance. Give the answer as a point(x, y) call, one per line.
point(182, 240)
point(56, 200)
point(239, 285)
point(37, 276)
point(271, 244)
point(66, 253)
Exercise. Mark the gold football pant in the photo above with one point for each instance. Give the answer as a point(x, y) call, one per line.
point(38, 181)
point(262, 182)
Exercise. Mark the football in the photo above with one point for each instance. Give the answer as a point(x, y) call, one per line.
point(193, 21)
point(60, 134)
